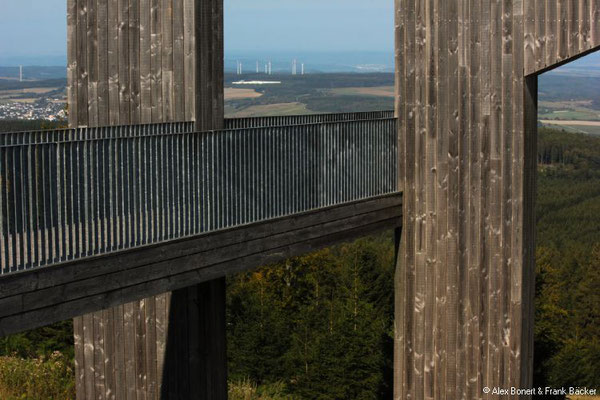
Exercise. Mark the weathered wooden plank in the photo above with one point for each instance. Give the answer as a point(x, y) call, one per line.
point(539, 16)
point(573, 27)
point(551, 33)
point(92, 62)
point(595, 23)
point(429, 142)
point(111, 388)
point(178, 61)
point(88, 355)
point(78, 335)
point(181, 301)
point(530, 110)
point(420, 210)
point(474, 202)
point(150, 322)
point(119, 361)
point(516, 274)
point(170, 368)
point(211, 344)
point(129, 353)
point(123, 62)
point(562, 27)
point(463, 198)
point(102, 62)
point(441, 194)
point(139, 354)
point(218, 79)
point(452, 310)
point(484, 164)
point(167, 60)
point(99, 356)
point(113, 62)
point(82, 64)
point(584, 25)
point(72, 62)
point(145, 62)
point(401, 333)
point(134, 62)
point(531, 36)
point(203, 65)
point(162, 325)
point(189, 59)
point(156, 34)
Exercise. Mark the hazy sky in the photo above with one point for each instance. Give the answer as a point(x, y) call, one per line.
point(38, 27)
point(304, 25)
point(32, 27)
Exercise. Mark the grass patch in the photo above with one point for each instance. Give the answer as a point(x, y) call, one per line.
point(37, 378)
point(247, 390)
point(378, 91)
point(267, 109)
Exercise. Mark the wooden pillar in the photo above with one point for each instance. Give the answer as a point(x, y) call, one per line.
point(145, 61)
point(464, 276)
point(195, 361)
point(171, 346)
point(149, 61)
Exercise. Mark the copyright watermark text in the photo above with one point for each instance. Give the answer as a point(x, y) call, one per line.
point(541, 391)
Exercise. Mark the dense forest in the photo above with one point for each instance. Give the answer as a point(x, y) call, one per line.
point(567, 322)
point(322, 323)
point(320, 326)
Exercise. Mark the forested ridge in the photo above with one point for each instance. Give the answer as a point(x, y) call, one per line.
point(567, 320)
point(321, 326)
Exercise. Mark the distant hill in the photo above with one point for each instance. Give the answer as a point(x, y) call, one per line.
point(314, 62)
point(564, 87)
point(33, 72)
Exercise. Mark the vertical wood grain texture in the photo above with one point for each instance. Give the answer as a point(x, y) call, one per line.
point(561, 30)
point(73, 62)
point(79, 358)
point(468, 160)
point(102, 28)
point(139, 61)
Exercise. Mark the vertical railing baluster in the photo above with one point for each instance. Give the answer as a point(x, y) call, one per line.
point(71, 193)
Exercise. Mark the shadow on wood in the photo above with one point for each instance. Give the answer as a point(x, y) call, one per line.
point(195, 357)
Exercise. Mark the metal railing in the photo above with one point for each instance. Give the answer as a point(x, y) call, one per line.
point(105, 132)
point(254, 122)
point(69, 198)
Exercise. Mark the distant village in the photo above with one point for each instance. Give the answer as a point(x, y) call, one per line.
point(41, 109)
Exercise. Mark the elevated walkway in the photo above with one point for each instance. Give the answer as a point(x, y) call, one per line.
point(91, 218)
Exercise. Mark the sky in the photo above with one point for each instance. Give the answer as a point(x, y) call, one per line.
point(38, 27)
point(33, 27)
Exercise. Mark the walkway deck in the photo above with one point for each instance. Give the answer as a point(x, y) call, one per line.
point(93, 218)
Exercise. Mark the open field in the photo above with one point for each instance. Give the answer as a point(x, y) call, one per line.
point(11, 100)
point(587, 127)
point(568, 110)
point(570, 122)
point(36, 90)
point(380, 91)
point(238, 93)
point(267, 109)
